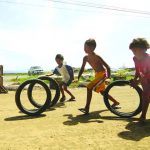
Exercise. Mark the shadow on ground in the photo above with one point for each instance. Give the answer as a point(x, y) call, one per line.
point(92, 117)
point(24, 117)
point(59, 105)
point(136, 131)
point(116, 118)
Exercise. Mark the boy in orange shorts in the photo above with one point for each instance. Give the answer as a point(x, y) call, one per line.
point(102, 71)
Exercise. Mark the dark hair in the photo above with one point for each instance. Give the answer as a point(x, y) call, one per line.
point(139, 43)
point(59, 56)
point(91, 43)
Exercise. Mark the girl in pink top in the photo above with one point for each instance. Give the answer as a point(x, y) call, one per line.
point(141, 59)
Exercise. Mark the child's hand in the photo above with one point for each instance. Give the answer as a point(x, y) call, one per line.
point(134, 82)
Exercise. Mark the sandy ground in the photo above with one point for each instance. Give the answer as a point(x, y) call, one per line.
point(65, 128)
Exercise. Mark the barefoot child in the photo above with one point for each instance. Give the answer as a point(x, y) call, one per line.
point(141, 59)
point(67, 77)
point(102, 71)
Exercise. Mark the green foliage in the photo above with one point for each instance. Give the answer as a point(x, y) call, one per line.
point(129, 77)
point(21, 78)
point(122, 74)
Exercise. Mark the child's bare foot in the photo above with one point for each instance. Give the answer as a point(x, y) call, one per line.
point(115, 104)
point(72, 99)
point(86, 112)
point(63, 99)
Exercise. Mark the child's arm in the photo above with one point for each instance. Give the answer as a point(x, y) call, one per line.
point(136, 80)
point(136, 76)
point(82, 67)
point(54, 72)
point(106, 66)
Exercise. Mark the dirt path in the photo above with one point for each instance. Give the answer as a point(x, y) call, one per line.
point(65, 128)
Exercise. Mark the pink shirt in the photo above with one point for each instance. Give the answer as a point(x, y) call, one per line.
point(143, 70)
point(143, 66)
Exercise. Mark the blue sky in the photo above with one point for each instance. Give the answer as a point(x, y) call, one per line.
point(32, 32)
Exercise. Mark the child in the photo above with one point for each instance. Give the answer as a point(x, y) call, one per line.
point(67, 77)
point(141, 59)
point(101, 68)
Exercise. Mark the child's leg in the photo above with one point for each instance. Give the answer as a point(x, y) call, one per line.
point(115, 102)
point(65, 89)
point(144, 110)
point(145, 104)
point(62, 92)
point(88, 101)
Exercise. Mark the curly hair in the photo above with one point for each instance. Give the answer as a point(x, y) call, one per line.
point(139, 43)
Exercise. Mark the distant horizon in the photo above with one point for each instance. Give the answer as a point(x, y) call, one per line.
point(45, 70)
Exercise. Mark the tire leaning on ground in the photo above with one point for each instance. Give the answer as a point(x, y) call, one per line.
point(42, 108)
point(116, 111)
point(55, 86)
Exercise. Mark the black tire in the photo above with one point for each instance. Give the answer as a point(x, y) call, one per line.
point(37, 111)
point(55, 87)
point(116, 111)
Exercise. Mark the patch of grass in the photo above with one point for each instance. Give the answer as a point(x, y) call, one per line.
point(20, 79)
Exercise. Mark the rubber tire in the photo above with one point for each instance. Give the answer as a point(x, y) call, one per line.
point(53, 101)
point(115, 111)
point(41, 109)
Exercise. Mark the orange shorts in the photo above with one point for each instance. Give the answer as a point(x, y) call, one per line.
point(98, 84)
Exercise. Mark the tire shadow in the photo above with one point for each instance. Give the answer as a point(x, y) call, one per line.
point(92, 117)
point(116, 118)
point(136, 131)
point(24, 117)
point(48, 109)
point(59, 105)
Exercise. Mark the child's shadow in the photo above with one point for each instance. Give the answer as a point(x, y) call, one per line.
point(137, 131)
point(92, 117)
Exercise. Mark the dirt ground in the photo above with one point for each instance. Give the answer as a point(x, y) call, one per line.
point(65, 128)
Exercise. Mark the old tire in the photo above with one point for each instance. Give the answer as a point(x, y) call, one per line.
point(116, 111)
point(55, 87)
point(40, 109)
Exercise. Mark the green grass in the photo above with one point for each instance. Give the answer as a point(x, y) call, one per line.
point(20, 79)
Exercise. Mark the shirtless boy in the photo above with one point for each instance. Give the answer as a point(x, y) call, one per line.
point(102, 71)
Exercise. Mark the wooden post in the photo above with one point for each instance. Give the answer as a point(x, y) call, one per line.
point(1, 81)
point(1, 75)
point(2, 88)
